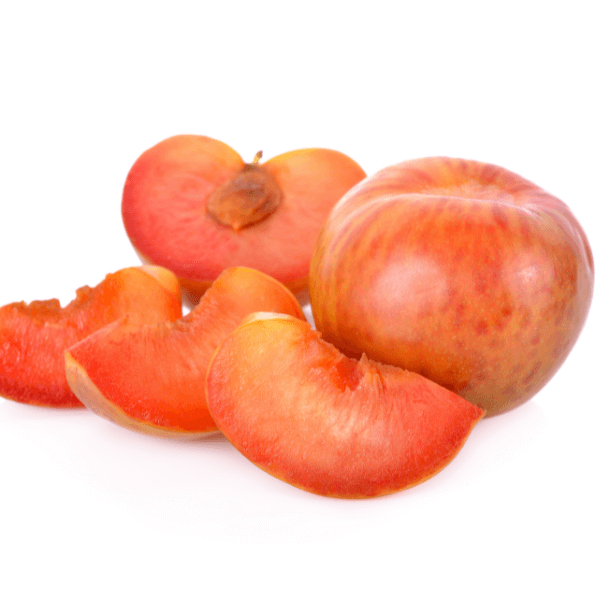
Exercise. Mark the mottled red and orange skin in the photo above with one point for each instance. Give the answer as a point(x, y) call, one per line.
point(151, 378)
point(303, 412)
point(34, 336)
point(165, 215)
point(458, 270)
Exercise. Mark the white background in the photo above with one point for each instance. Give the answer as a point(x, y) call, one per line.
point(88, 509)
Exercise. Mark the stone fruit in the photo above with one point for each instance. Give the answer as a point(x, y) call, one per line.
point(458, 270)
point(192, 205)
point(33, 336)
point(300, 410)
point(151, 378)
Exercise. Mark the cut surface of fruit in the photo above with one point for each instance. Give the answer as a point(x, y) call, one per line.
point(302, 411)
point(151, 378)
point(192, 205)
point(34, 336)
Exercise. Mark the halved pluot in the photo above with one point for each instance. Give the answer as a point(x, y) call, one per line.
point(191, 204)
point(34, 336)
point(299, 409)
point(151, 378)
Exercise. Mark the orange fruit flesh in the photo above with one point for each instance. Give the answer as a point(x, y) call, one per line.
point(165, 216)
point(302, 411)
point(144, 377)
point(33, 336)
point(151, 378)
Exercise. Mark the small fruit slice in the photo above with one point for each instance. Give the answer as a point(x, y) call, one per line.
point(191, 204)
point(151, 378)
point(302, 411)
point(34, 336)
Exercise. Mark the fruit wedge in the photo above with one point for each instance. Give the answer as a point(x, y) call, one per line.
point(302, 411)
point(191, 203)
point(151, 378)
point(34, 336)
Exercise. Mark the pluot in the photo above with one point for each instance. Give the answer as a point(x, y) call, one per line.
point(458, 270)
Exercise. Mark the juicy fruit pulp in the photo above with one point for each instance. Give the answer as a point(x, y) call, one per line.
point(458, 270)
point(302, 411)
point(191, 204)
point(33, 336)
point(151, 378)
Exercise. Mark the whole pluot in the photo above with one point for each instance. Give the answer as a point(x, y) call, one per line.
point(459, 270)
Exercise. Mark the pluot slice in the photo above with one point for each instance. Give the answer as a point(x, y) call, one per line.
point(180, 199)
point(34, 336)
point(151, 378)
point(302, 411)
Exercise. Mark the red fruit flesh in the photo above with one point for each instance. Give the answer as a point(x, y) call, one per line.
point(302, 411)
point(151, 378)
point(33, 336)
point(180, 199)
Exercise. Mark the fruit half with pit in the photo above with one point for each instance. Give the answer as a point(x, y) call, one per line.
point(151, 378)
point(34, 336)
point(302, 411)
point(191, 204)
point(459, 270)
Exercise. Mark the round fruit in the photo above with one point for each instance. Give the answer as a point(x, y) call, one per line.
point(461, 271)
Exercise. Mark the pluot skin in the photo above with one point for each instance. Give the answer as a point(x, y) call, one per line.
point(33, 336)
point(458, 270)
point(150, 378)
point(191, 204)
point(303, 412)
